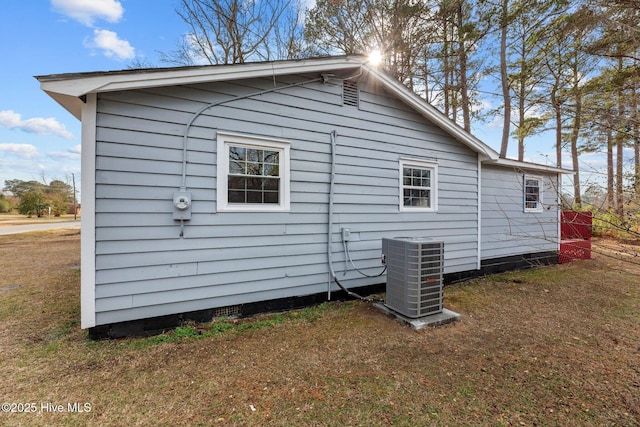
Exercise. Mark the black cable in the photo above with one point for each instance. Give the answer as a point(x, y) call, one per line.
point(353, 294)
point(345, 245)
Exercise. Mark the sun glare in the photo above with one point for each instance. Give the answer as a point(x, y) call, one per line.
point(375, 58)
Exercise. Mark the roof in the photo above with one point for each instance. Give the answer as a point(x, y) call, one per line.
point(527, 166)
point(69, 90)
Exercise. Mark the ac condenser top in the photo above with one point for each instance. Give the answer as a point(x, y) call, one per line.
point(414, 275)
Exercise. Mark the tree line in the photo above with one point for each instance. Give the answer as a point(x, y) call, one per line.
point(566, 66)
point(34, 198)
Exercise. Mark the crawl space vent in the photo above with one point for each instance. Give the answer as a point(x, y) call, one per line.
point(350, 93)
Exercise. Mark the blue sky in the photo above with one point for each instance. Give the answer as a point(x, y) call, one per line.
point(39, 37)
point(38, 138)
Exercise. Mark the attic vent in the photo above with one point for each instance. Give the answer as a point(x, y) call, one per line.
point(350, 93)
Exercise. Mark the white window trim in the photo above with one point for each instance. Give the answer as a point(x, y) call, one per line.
point(434, 184)
point(224, 140)
point(539, 207)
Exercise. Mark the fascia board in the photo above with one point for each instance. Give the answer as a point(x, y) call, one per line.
point(516, 164)
point(81, 84)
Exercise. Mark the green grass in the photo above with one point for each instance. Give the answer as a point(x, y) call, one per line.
point(224, 326)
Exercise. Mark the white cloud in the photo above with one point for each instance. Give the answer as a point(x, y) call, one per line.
point(25, 151)
point(37, 125)
point(88, 11)
point(71, 153)
point(193, 50)
point(111, 45)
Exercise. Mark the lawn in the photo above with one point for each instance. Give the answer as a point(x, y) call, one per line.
point(16, 219)
point(554, 346)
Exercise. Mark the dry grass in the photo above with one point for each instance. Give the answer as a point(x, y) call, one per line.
point(15, 219)
point(552, 346)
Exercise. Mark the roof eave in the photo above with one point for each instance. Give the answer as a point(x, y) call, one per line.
point(66, 89)
point(72, 104)
point(535, 167)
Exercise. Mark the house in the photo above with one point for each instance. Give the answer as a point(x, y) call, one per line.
point(210, 189)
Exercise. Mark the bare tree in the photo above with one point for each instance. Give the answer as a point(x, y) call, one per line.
point(399, 28)
point(231, 31)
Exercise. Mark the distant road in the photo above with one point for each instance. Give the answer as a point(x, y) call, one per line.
point(15, 229)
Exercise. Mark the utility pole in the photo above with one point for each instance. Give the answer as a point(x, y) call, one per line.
point(75, 206)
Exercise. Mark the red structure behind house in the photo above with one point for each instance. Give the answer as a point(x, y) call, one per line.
point(575, 236)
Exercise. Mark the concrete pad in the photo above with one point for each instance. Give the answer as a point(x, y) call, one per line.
point(433, 320)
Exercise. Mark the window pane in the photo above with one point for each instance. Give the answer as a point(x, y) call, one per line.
point(271, 197)
point(417, 198)
point(254, 183)
point(237, 167)
point(252, 155)
point(254, 196)
point(416, 183)
point(532, 193)
point(237, 153)
point(253, 168)
point(253, 176)
point(236, 196)
point(237, 183)
point(271, 169)
point(271, 184)
point(415, 177)
point(271, 157)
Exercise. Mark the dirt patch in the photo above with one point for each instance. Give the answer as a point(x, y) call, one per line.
point(552, 346)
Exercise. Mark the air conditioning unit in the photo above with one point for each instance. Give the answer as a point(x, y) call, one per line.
point(414, 275)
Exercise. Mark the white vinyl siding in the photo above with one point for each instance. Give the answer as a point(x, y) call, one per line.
point(144, 268)
point(507, 229)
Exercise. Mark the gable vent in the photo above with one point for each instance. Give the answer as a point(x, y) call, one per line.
point(350, 93)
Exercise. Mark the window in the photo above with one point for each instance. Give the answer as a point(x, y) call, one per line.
point(253, 173)
point(418, 186)
point(532, 194)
